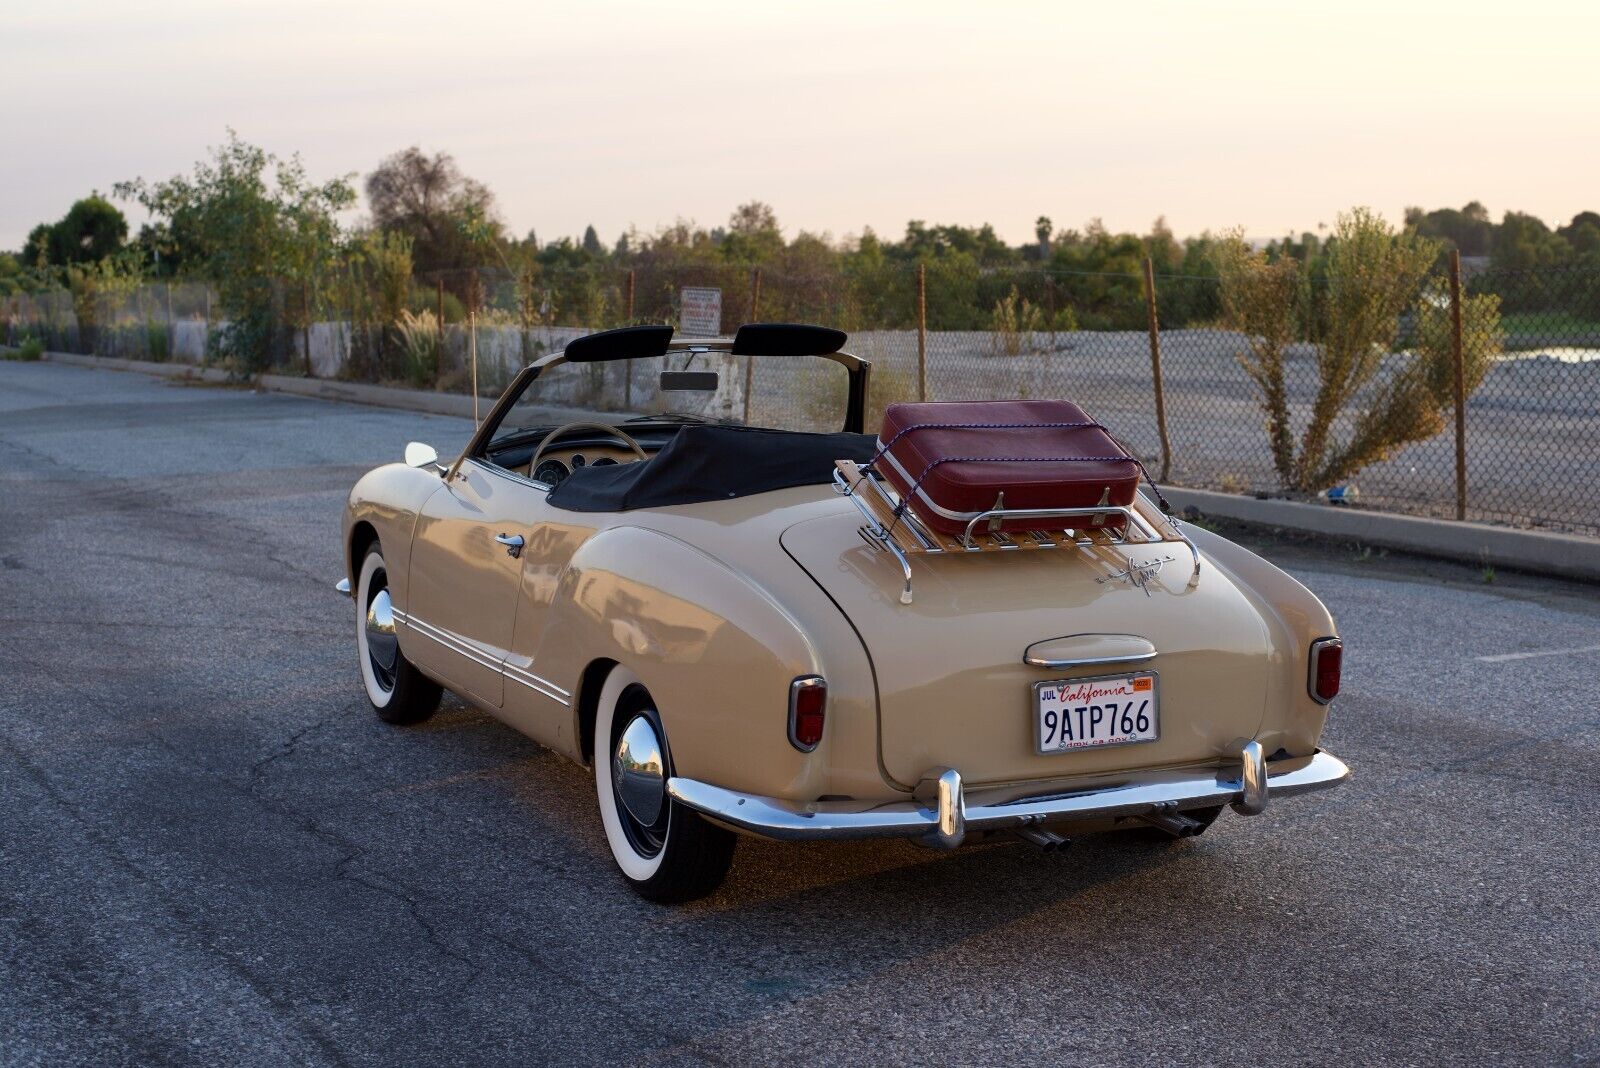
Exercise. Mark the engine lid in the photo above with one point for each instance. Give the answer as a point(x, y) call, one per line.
point(955, 681)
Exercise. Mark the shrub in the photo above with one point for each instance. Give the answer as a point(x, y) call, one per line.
point(1372, 275)
point(1014, 323)
point(420, 344)
point(1410, 407)
point(424, 299)
point(157, 341)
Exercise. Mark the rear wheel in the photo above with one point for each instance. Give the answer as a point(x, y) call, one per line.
point(399, 693)
point(667, 852)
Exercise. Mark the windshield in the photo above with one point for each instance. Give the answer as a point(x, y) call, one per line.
point(786, 393)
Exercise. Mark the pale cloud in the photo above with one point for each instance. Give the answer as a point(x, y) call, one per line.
point(1268, 115)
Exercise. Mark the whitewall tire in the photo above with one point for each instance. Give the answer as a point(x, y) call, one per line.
point(667, 852)
point(399, 693)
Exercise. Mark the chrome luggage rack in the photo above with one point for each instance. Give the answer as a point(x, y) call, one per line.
point(898, 530)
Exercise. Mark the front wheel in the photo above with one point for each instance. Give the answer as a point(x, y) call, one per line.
point(667, 852)
point(399, 693)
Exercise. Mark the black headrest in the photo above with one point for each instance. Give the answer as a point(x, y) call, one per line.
point(787, 339)
point(623, 343)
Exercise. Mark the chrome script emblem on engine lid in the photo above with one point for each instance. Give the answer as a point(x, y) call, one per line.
point(1138, 573)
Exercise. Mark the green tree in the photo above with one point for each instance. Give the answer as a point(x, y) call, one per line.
point(91, 230)
point(252, 222)
point(1523, 242)
point(429, 200)
point(1470, 229)
point(36, 247)
point(591, 242)
point(752, 235)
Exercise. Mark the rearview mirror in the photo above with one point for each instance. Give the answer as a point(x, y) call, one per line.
point(420, 455)
point(697, 381)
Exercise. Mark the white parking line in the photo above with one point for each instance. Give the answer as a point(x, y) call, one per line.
point(1502, 657)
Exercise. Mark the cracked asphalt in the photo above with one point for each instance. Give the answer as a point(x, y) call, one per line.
point(212, 852)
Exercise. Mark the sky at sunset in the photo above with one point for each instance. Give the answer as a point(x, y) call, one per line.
point(1269, 116)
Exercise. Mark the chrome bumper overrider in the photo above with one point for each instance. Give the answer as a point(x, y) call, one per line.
point(949, 811)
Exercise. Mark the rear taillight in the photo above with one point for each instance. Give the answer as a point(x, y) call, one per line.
point(1327, 656)
point(808, 707)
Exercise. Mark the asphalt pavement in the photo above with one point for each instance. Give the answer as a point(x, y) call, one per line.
point(212, 852)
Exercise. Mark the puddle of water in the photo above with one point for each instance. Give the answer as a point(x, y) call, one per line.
point(1564, 353)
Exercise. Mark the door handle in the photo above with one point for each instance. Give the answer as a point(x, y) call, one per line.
point(512, 542)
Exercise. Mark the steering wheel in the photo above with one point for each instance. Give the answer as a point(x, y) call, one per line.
point(561, 431)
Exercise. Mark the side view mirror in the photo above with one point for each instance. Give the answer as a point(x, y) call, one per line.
point(420, 455)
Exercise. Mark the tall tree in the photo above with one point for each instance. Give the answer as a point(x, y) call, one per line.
point(591, 242)
point(428, 199)
point(253, 224)
point(91, 230)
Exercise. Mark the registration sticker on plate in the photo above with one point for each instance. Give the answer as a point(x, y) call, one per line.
point(1089, 713)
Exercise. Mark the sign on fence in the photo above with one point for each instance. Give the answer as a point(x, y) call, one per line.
point(700, 312)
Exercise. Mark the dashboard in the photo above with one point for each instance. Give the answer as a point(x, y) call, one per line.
point(556, 464)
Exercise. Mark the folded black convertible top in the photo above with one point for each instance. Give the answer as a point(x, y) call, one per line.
point(712, 463)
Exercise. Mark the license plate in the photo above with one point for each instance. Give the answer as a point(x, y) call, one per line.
point(1071, 714)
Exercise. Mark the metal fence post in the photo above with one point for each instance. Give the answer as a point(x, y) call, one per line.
point(1458, 359)
point(438, 350)
point(922, 331)
point(305, 325)
point(472, 350)
point(750, 361)
point(1155, 367)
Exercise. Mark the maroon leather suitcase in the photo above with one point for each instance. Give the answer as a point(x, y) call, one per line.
point(953, 460)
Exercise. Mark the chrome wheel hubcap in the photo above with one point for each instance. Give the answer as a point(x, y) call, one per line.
point(639, 773)
point(383, 646)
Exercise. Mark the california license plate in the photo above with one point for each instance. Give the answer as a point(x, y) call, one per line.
point(1074, 714)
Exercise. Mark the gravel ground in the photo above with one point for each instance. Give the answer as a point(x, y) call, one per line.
point(211, 851)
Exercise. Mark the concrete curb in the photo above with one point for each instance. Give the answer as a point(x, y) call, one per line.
point(1568, 556)
point(413, 400)
point(1540, 552)
point(144, 367)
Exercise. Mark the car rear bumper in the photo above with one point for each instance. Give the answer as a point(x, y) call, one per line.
point(947, 811)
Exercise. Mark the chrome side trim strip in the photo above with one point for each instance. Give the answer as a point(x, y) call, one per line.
point(537, 684)
point(478, 655)
point(1145, 793)
point(449, 641)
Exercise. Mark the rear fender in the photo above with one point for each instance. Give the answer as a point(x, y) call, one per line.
point(1295, 618)
point(716, 651)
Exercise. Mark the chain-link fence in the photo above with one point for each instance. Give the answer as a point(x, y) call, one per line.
point(1340, 403)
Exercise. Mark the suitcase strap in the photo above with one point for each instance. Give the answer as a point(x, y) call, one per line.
point(903, 431)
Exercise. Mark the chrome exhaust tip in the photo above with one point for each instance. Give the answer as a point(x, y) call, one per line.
point(1047, 841)
point(1174, 823)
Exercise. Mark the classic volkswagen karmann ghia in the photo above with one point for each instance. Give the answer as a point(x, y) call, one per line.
point(741, 633)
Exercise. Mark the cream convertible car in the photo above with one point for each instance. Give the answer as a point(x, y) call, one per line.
point(719, 620)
